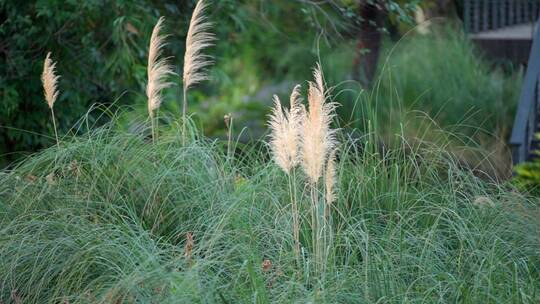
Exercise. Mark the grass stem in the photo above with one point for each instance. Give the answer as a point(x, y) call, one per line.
point(55, 129)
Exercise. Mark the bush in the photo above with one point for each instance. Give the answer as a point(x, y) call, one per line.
point(527, 174)
point(439, 81)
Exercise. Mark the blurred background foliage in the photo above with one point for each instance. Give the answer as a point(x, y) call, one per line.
point(101, 47)
point(263, 48)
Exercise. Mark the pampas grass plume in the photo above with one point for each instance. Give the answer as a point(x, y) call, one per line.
point(50, 81)
point(198, 38)
point(285, 131)
point(330, 178)
point(317, 137)
point(158, 69)
point(50, 88)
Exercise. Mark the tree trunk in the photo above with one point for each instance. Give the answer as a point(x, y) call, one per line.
point(369, 42)
point(441, 8)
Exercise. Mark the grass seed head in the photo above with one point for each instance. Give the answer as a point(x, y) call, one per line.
point(158, 69)
point(317, 136)
point(330, 177)
point(188, 247)
point(285, 131)
point(50, 81)
point(198, 38)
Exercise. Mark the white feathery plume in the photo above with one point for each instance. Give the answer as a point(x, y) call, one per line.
point(330, 178)
point(198, 38)
point(317, 137)
point(285, 131)
point(50, 81)
point(158, 69)
point(50, 88)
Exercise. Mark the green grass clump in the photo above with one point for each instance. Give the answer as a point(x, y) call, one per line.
point(441, 81)
point(443, 74)
point(103, 219)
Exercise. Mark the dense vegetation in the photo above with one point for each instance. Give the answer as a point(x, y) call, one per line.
point(439, 80)
point(101, 50)
point(101, 47)
point(104, 218)
point(136, 206)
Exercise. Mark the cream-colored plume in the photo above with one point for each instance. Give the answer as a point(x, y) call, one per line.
point(285, 131)
point(50, 81)
point(330, 178)
point(198, 38)
point(158, 69)
point(318, 139)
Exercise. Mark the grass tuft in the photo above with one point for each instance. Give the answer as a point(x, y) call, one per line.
point(127, 221)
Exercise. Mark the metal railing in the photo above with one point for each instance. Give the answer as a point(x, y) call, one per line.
point(527, 114)
point(484, 15)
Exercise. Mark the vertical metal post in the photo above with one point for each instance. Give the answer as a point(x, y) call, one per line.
point(485, 15)
point(476, 16)
point(525, 123)
point(502, 9)
point(511, 12)
point(467, 16)
point(494, 14)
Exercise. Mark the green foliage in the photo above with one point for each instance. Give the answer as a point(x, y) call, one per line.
point(99, 47)
point(443, 75)
point(103, 218)
point(527, 174)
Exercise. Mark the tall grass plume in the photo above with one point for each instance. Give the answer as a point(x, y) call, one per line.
point(318, 139)
point(330, 181)
point(285, 135)
point(284, 143)
point(195, 62)
point(158, 70)
point(50, 88)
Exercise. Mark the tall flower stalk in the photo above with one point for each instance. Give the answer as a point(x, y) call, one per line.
point(306, 138)
point(329, 183)
point(50, 88)
point(195, 62)
point(285, 139)
point(318, 139)
point(158, 69)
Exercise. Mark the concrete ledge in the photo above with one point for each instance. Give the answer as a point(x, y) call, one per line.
point(515, 32)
